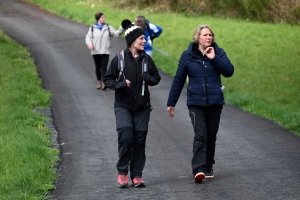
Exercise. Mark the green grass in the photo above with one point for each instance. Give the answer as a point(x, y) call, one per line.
point(265, 56)
point(27, 158)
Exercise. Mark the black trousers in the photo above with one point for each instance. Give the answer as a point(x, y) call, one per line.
point(101, 61)
point(205, 121)
point(132, 128)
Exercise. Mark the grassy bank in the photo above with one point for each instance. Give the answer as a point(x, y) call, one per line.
point(27, 158)
point(265, 55)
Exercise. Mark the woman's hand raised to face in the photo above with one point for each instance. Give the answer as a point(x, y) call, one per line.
point(209, 52)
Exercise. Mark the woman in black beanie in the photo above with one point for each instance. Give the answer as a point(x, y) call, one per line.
point(132, 103)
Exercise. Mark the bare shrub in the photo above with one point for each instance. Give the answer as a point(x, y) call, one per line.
point(287, 11)
point(278, 11)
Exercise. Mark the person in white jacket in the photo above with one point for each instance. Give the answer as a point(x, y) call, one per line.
point(98, 40)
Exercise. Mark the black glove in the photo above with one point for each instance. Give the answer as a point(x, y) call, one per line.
point(146, 76)
point(121, 85)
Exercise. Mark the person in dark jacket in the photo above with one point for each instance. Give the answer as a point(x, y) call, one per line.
point(203, 62)
point(132, 104)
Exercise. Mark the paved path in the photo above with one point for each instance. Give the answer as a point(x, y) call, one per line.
point(255, 158)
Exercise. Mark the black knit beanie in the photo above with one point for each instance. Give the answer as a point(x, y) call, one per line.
point(98, 15)
point(131, 31)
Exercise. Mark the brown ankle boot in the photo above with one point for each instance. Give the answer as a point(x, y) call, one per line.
point(103, 86)
point(99, 86)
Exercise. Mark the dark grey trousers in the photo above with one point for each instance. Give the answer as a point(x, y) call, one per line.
point(205, 121)
point(132, 128)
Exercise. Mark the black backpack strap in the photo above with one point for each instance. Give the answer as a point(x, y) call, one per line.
point(149, 31)
point(145, 64)
point(121, 64)
point(110, 35)
point(92, 29)
point(145, 69)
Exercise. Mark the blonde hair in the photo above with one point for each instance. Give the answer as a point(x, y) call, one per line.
point(198, 33)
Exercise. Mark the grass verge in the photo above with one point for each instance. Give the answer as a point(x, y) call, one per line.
point(27, 158)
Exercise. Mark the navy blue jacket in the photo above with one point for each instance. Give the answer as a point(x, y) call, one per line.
point(204, 87)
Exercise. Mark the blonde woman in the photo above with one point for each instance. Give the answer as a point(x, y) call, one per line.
point(203, 62)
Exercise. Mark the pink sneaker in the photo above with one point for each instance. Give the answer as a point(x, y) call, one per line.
point(138, 182)
point(122, 181)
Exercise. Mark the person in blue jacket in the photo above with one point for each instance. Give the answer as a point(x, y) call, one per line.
point(203, 62)
point(151, 32)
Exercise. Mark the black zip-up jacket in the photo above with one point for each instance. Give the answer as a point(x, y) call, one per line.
point(131, 97)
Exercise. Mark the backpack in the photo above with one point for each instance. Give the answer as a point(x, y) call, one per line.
point(149, 31)
point(92, 29)
point(121, 67)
